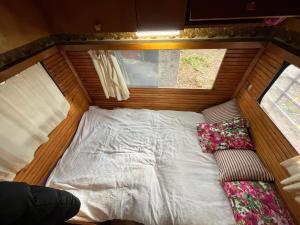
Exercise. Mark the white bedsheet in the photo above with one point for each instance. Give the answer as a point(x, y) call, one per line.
point(142, 165)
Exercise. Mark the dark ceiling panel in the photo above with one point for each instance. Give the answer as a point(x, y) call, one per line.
point(161, 14)
point(77, 16)
point(240, 9)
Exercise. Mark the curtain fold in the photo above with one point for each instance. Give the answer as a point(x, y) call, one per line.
point(31, 106)
point(111, 76)
point(292, 183)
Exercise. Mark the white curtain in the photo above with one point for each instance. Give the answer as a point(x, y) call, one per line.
point(292, 183)
point(31, 106)
point(110, 74)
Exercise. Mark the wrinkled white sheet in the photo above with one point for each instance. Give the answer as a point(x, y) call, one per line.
point(142, 165)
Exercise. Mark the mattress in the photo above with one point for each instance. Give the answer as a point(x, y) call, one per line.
point(142, 165)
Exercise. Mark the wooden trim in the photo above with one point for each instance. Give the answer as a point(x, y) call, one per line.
point(152, 45)
point(271, 145)
point(281, 53)
point(248, 71)
point(11, 71)
point(75, 74)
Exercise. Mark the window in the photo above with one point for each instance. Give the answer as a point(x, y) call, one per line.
point(281, 101)
point(194, 69)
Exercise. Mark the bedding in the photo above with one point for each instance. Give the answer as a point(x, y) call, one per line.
point(241, 165)
point(255, 203)
point(142, 165)
point(230, 134)
point(221, 112)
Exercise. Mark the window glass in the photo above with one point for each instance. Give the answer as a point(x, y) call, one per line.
point(282, 103)
point(194, 69)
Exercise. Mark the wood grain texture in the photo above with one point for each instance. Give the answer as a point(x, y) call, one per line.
point(19, 26)
point(76, 16)
point(248, 71)
point(48, 154)
point(272, 147)
point(237, 46)
point(233, 67)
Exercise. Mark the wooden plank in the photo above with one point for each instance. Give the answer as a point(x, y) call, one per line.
point(248, 71)
point(271, 145)
point(152, 45)
point(75, 74)
point(253, 51)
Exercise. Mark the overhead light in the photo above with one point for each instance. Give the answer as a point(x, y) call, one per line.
point(157, 33)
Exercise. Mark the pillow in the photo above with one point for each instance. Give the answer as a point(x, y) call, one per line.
point(219, 113)
point(241, 165)
point(256, 203)
point(231, 134)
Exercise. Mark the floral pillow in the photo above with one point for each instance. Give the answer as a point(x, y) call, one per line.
point(230, 134)
point(256, 203)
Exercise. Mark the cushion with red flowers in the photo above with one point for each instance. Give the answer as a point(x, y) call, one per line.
point(230, 134)
point(255, 203)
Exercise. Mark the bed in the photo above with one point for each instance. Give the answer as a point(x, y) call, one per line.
point(142, 165)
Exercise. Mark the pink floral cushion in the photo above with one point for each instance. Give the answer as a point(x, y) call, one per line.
point(255, 203)
point(231, 134)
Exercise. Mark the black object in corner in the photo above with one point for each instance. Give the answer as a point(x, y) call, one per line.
point(23, 204)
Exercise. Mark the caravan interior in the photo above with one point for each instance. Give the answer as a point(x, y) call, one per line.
point(154, 112)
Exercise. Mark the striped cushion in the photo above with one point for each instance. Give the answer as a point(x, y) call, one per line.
point(241, 165)
point(219, 113)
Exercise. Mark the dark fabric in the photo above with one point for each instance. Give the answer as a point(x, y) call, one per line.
point(22, 204)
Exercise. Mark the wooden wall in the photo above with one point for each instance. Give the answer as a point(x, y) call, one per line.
point(236, 61)
point(20, 23)
point(48, 154)
point(271, 145)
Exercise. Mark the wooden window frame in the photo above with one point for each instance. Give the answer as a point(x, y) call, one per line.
point(284, 66)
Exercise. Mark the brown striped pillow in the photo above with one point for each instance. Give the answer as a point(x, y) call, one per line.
point(219, 113)
point(241, 165)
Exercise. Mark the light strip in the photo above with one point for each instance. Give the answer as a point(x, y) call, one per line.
point(157, 33)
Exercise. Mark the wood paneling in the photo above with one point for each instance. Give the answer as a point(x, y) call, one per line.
point(271, 145)
point(20, 23)
point(159, 44)
point(235, 63)
point(48, 154)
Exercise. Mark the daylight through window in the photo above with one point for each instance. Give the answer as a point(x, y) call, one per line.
point(193, 69)
point(282, 103)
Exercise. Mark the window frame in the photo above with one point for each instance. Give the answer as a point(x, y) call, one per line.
point(284, 66)
point(172, 88)
point(279, 72)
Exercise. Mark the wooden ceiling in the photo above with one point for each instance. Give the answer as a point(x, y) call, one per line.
point(71, 16)
point(77, 16)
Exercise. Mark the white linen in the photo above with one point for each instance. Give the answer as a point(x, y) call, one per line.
point(110, 74)
point(142, 165)
point(31, 106)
